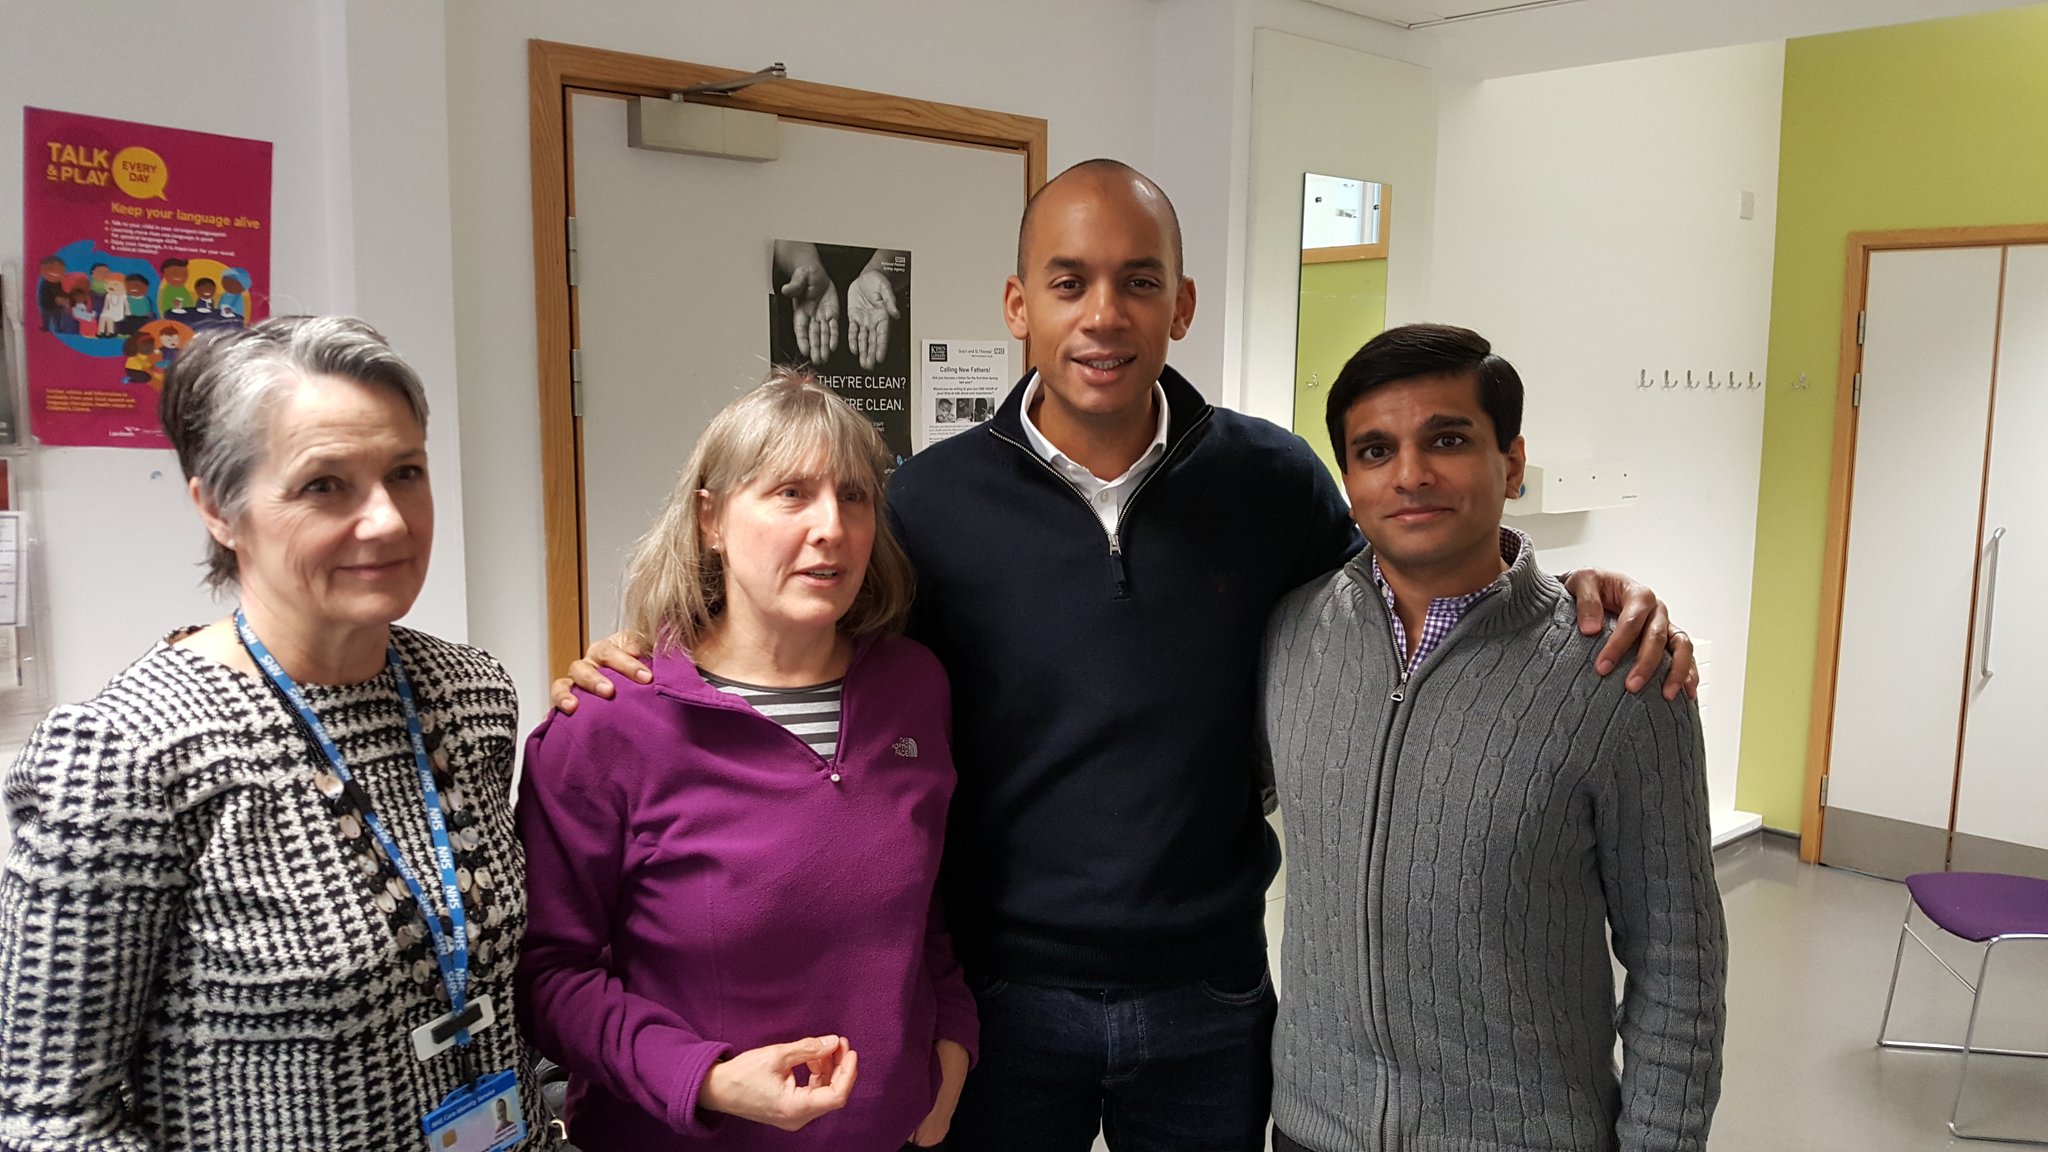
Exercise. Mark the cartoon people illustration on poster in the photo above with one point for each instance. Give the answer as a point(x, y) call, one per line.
point(234, 298)
point(140, 351)
point(140, 308)
point(174, 294)
point(53, 297)
point(134, 314)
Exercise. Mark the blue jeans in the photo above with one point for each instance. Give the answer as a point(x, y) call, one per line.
point(1181, 1069)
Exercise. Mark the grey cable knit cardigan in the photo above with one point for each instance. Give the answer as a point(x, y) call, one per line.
point(1459, 845)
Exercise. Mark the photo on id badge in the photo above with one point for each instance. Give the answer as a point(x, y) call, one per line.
point(483, 1117)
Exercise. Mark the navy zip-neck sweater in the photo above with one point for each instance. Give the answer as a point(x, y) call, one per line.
point(1106, 830)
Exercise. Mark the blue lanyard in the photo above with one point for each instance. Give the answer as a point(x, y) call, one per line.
point(451, 947)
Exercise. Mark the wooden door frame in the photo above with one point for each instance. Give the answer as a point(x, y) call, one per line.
point(556, 71)
point(1841, 485)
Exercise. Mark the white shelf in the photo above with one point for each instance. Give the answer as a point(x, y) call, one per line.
point(1563, 487)
point(1731, 825)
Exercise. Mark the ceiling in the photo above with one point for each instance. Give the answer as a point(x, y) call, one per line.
point(1427, 13)
point(1490, 38)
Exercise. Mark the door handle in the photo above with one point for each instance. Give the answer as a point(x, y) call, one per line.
point(1990, 602)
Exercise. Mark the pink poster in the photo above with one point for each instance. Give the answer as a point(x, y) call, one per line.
point(139, 239)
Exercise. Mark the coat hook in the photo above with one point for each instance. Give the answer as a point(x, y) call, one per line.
point(1668, 381)
point(1689, 381)
point(1713, 385)
point(1643, 381)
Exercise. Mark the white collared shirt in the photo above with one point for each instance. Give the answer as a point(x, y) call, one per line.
point(1106, 497)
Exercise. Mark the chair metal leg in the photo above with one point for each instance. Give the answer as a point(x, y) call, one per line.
point(1898, 957)
point(1969, 1038)
point(1968, 1047)
point(1906, 930)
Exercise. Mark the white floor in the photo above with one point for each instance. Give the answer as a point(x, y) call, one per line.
point(1810, 952)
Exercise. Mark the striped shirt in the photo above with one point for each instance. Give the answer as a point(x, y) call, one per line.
point(811, 714)
point(1445, 611)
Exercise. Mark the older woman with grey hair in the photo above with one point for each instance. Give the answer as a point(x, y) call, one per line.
point(265, 890)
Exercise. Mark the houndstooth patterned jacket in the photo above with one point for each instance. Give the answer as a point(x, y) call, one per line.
point(195, 954)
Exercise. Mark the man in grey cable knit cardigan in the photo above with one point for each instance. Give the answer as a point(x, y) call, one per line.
point(1471, 810)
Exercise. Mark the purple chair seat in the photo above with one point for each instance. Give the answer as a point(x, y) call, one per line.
point(1979, 905)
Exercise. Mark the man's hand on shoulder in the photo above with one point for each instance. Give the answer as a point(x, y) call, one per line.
point(621, 652)
point(1641, 622)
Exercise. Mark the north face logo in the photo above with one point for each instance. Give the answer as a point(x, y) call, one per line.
point(906, 748)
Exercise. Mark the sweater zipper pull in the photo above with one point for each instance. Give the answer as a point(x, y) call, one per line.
point(1400, 689)
point(1116, 568)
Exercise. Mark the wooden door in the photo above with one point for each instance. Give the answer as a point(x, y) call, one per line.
point(673, 285)
point(2002, 790)
point(1906, 600)
point(669, 313)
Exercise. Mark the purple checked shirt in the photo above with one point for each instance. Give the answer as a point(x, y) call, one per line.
point(1444, 612)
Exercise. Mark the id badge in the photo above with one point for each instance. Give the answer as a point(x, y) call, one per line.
point(480, 1117)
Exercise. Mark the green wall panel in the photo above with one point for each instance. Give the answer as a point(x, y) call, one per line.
point(1936, 124)
point(1343, 304)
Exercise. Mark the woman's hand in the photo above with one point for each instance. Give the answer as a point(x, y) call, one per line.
point(620, 652)
point(1638, 616)
point(952, 1074)
point(760, 1084)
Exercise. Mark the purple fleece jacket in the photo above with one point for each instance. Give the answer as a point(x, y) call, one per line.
point(698, 885)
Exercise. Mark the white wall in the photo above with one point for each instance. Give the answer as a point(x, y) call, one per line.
point(1606, 31)
point(115, 522)
point(1205, 138)
point(1087, 66)
point(1197, 50)
point(380, 109)
point(1585, 220)
point(400, 255)
point(1162, 84)
point(1587, 224)
point(121, 545)
point(1317, 107)
point(351, 95)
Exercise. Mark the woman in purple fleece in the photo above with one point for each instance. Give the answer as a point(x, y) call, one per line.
point(732, 938)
